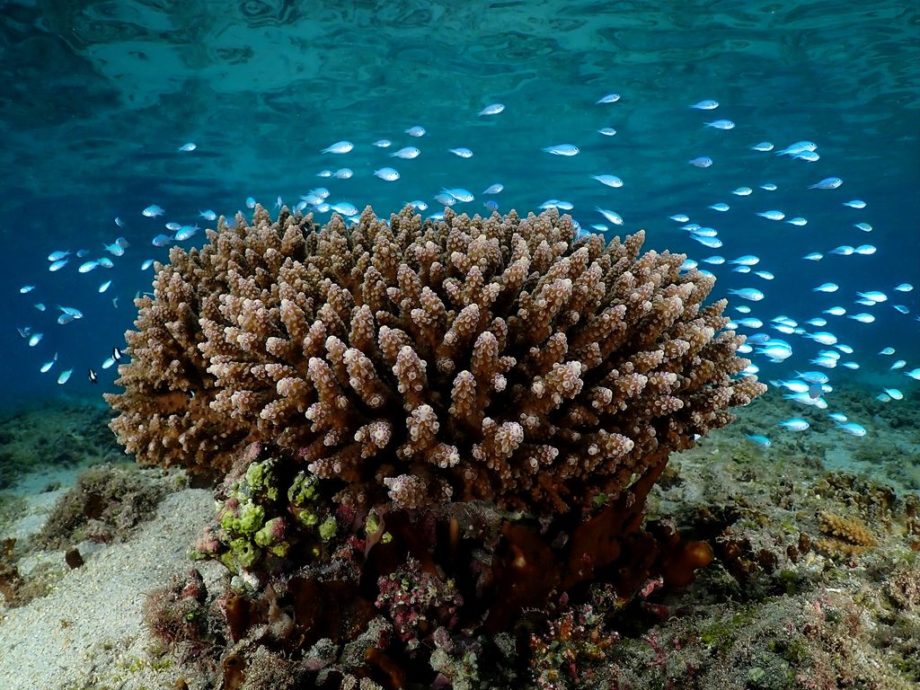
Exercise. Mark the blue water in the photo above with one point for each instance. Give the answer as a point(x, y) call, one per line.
point(99, 96)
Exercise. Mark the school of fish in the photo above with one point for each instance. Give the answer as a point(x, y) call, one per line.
point(772, 339)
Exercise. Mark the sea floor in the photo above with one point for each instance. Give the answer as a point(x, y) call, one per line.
point(815, 585)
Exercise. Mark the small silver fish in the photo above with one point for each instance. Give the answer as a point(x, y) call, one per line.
point(772, 215)
point(58, 265)
point(459, 194)
point(607, 131)
point(855, 203)
point(609, 98)
point(827, 183)
point(797, 147)
point(190, 146)
point(185, 232)
point(721, 207)
point(609, 180)
point(64, 377)
point(342, 174)
point(26, 289)
point(344, 208)
point(117, 248)
point(707, 104)
point(492, 109)
point(462, 152)
point(720, 124)
point(496, 188)
point(852, 428)
point(763, 146)
point(750, 294)
point(153, 211)
point(416, 131)
point(742, 191)
point(709, 242)
point(387, 174)
point(406, 153)
point(208, 214)
point(339, 147)
point(557, 203)
point(701, 162)
point(611, 216)
point(161, 240)
point(383, 143)
point(562, 150)
point(746, 260)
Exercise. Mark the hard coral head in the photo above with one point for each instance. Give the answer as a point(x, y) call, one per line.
point(491, 358)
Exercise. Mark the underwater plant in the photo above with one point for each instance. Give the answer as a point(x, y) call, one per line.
point(424, 429)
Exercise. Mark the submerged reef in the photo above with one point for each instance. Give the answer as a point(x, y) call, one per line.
point(436, 439)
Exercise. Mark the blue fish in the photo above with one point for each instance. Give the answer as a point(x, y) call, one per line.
point(708, 104)
point(760, 440)
point(827, 183)
point(562, 150)
point(751, 294)
point(795, 424)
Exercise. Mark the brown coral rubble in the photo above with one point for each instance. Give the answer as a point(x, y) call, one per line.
point(497, 358)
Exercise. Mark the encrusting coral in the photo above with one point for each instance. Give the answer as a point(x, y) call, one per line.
point(499, 359)
point(425, 428)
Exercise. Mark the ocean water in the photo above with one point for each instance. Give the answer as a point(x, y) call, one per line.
point(99, 97)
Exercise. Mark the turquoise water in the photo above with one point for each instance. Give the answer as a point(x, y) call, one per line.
point(99, 96)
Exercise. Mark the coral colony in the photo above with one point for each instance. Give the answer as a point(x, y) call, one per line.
point(435, 441)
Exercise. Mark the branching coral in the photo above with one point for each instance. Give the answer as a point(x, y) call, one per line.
point(495, 358)
point(433, 425)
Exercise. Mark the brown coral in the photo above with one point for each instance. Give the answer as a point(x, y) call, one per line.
point(846, 536)
point(491, 358)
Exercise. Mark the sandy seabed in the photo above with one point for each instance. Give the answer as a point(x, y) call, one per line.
point(788, 603)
